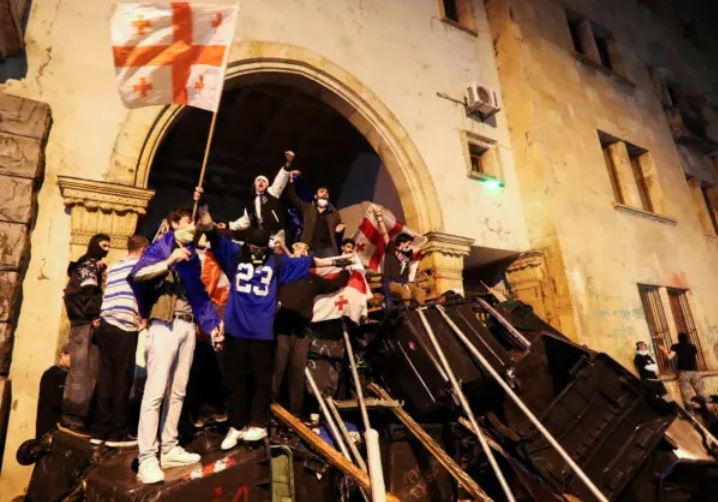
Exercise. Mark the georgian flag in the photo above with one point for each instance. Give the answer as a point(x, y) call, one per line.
point(370, 245)
point(350, 301)
point(172, 53)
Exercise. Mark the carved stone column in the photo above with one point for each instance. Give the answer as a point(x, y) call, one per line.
point(526, 276)
point(101, 207)
point(444, 255)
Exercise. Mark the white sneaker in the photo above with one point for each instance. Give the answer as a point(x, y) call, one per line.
point(178, 456)
point(230, 440)
point(254, 434)
point(149, 472)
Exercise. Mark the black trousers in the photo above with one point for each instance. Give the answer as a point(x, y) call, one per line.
point(117, 349)
point(205, 387)
point(248, 366)
point(81, 377)
point(290, 359)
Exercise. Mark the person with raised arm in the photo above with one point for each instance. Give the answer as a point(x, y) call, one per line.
point(255, 272)
point(266, 210)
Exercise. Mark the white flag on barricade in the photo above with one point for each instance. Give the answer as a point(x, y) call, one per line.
point(350, 301)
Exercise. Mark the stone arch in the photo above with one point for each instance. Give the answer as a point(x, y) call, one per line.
point(258, 62)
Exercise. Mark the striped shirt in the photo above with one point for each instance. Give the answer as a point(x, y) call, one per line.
point(119, 306)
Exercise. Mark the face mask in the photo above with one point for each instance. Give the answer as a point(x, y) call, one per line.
point(185, 235)
point(322, 202)
point(257, 254)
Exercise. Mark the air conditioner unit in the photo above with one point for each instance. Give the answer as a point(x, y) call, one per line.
point(481, 100)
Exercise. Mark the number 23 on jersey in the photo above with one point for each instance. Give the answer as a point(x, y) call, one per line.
point(245, 273)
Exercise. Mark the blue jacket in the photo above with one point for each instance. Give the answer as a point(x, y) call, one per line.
point(252, 302)
point(148, 292)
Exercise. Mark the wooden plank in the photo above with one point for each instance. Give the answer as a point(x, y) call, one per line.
point(322, 447)
point(466, 481)
point(351, 404)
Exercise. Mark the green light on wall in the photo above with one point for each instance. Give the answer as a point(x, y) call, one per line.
point(491, 182)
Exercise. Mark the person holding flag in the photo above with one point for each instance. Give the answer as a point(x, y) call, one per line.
point(255, 273)
point(170, 293)
point(171, 53)
point(388, 245)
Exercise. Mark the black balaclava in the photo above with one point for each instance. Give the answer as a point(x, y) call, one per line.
point(256, 246)
point(93, 251)
point(93, 248)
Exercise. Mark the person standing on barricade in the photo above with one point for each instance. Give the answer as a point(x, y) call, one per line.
point(171, 295)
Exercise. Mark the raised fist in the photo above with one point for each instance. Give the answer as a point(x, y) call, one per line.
point(289, 156)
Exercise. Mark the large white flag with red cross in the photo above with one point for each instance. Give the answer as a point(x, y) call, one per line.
point(370, 242)
point(172, 52)
point(350, 301)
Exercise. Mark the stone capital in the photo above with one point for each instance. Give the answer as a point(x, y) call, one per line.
point(448, 244)
point(529, 265)
point(102, 195)
point(101, 207)
point(444, 255)
point(527, 276)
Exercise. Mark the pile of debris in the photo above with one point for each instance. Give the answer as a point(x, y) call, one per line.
point(474, 400)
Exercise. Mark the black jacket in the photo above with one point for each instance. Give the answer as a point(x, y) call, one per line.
point(296, 298)
point(393, 264)
point(83, 293)
point(271, 210)
point(640, 361)
point(310, 212)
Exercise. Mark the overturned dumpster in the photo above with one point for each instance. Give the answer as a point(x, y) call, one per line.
point(472, 400)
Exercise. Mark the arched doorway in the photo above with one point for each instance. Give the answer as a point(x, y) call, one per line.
point(257, 121)
point(266, 63)
point(272, 64)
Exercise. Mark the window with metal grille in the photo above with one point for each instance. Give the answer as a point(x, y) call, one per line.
point(683, 318)
point(657, 324)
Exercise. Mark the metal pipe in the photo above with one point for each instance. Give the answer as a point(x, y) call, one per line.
point(327, 416)
point(502, 320)
point(358, 459)
point(467, 409)
point(529, 414)
point(376, 474)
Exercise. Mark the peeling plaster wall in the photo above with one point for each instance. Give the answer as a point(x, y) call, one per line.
point(401, 50)
point(555, 105)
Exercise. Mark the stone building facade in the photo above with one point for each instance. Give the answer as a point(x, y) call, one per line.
point(613, 119)
point(397, 71)
point(580, 238)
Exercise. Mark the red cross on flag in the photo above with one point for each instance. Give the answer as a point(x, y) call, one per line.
point(370, 245)
point(172, 53)
point(350, 301)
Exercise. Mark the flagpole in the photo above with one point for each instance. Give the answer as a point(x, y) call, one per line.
point(210, 136)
